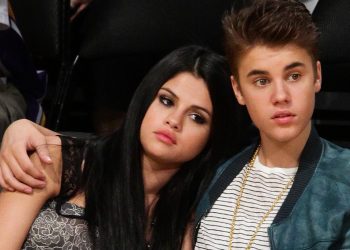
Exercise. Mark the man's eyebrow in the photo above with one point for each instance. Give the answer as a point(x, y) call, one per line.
point(293, 65)
point(264, 72)
point(257, 72)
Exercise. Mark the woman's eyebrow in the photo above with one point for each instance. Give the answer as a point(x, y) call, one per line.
point(170, 91)
point(201, 108)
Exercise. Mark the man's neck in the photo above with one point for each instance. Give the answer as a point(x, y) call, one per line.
point(283, 154)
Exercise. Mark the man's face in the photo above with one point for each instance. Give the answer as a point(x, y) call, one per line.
point(278, 86)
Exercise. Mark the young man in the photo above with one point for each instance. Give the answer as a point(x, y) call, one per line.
point(290, 190)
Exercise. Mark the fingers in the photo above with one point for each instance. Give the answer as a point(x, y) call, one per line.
point(3, 183)
point(44, 151)
point(44, 154)
point(10, 180)
point(25, 176)
point(39, 144)
point(19, 137)
point(19, 159)
point(18, 172)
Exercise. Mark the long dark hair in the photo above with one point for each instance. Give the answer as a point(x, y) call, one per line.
point(112, 178)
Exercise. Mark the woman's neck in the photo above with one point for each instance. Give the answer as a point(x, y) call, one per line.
point(155, 176)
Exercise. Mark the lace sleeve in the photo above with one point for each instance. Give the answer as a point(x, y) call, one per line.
point(73, 154)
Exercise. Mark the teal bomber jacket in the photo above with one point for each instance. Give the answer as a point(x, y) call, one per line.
point(316, 212)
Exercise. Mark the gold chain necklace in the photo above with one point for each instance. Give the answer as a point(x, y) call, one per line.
point(238, 203)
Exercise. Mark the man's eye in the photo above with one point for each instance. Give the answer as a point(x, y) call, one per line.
point(165, 100)
point(198, 118)
point(261, 82)
point(294, 77)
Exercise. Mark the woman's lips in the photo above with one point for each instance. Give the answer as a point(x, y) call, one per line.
point(166, 137)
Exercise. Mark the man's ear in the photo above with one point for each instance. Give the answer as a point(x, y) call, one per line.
point(237, 90)
point(318, 79)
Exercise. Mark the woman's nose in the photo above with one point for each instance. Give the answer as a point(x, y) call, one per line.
point(174, 121)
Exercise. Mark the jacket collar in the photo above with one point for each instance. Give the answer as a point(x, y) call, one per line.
point(307, 165)
point(309, 158)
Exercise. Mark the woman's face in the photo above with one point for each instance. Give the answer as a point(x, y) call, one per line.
point(177, 124)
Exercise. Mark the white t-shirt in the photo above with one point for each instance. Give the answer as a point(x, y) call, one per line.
point(262, 187)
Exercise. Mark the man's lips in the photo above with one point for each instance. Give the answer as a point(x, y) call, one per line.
point(283, 117)
point(165, 136)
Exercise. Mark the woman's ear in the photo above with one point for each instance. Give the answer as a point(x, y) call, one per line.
point(237, 90)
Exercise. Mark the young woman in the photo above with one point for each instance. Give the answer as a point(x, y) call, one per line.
point(140, 185)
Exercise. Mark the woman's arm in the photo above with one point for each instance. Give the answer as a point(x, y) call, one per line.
point(17, 213)
point(18, 210)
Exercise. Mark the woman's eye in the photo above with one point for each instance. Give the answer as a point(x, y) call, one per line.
point(294, 77)
point(198, 118)
point(261, 82)
point(166, 101)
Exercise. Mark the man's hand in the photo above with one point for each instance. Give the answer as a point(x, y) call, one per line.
point(17, 172)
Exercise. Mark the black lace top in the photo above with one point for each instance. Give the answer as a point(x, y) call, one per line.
point(61, 225)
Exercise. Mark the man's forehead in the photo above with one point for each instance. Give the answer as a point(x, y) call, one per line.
point(261, 57)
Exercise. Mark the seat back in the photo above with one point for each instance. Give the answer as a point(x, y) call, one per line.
point(45, 27)
point(114, 28)
point(332, 114)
